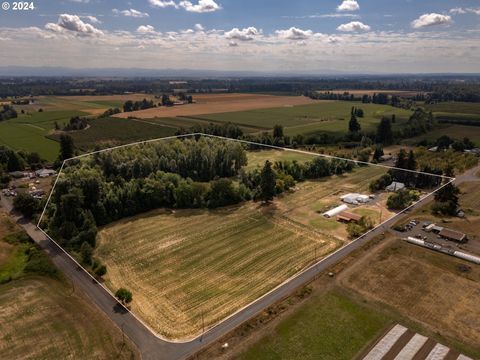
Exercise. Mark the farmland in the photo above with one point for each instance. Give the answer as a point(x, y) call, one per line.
point(176, 260)
point(322, 116)
point(425, 286)
point(220, 103)
point(329, 326)
point(41, 316)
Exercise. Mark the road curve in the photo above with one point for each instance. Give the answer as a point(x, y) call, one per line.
point(152, 347)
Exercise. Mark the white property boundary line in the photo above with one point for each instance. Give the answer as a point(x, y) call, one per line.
point(350, 244)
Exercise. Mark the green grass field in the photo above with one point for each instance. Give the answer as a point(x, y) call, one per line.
point(457, 132)
point(455, 107)
point(112, 131)
point(28, 132)
point(330, 326)
point(258, 158)
point(329, 117)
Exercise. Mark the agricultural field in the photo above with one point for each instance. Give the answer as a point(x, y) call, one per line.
point(457, 132)
point(437, 291)
point(330, 117)
point(329, 326)
point(175, 260)
point(370, 92)
point(220, 103)
point(107, 132)
point(455, 111)
point(41, 316)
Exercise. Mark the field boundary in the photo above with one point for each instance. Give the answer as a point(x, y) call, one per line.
point(304, 271)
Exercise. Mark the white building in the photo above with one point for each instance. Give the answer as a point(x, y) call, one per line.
point(335, 211)
point(43, 173)
point(355, 199)
point(395, 186)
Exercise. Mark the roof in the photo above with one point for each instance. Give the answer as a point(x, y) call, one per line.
point(335, 211)
point(396, 186)
point(452, 234)
point(347, 216)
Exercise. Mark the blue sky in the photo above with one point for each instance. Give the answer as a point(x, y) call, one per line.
point(267, 35)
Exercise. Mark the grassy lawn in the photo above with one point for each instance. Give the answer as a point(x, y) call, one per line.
point(330, 117)
point(329, 326)
point(258, 158)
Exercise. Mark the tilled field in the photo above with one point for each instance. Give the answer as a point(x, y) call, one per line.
point(189, 264)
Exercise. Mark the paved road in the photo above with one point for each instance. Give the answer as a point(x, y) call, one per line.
point(152, 347)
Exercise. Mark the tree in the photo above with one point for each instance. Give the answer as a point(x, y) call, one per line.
point(124, 296)
point(101, 270)
point(267, 182)
point(86, 252)
point(354, 125)
point(411, 161)
point(66, 147)
point(384, 132)
point(26, 204)
point(446, 199)
point(401, 162)
point(378, 153)
point(278, 131)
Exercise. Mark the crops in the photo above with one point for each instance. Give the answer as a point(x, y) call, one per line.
point(194, 263)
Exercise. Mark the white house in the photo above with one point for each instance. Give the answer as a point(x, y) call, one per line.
point(335, 211)
point(43, 173)
point(395, 186)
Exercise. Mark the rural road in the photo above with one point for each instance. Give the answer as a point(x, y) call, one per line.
point(152, 347)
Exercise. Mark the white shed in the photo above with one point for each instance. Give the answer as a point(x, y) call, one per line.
point(355, 199)
point(395, 186)
point(335, 211)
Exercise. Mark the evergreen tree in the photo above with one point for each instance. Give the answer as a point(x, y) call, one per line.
point(66, 147)
point(378, 153)
point(278, 131)
point(411, 161)
point(384, 132)
point(267, 182)
point(354, 125)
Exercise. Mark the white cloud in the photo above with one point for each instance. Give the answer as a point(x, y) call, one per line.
point(73, 23)
point(233, 44)
point(92, 19)
point(461, 11)
point(431, 20)
point(146, 29)
point(294, 34)
point(163, 3)
point(199, 27)
point(246, 34)
point(348, 5)
point(131, 13)
point(353, 26)
point(203, 6)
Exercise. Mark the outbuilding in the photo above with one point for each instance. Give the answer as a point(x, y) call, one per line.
point(348, 217)
point(44, 173)
point(453, 235)
point(335, 211)
point(355, 199)
point(395, 186)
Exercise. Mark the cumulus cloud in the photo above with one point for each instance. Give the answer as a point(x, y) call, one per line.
point(461, 11)
point(203, 6)
point(92, 19)
point(353, 26)
point(146, 29)
point(163, 3)
point(131, 13)
point(233, 44)
point(348, 5)
point(431, 20)
point(73, 24)
point(199, 27)
point(294, 34)
point(246, 34)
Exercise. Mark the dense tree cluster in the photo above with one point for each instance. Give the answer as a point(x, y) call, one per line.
point(130, 106)
point(110, 112)
point(402, 199)
point(7, 112)
point(229, 130)
point(76, 123)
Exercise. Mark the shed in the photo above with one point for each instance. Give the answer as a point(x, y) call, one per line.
point(355, 199)
point(43, 173)
point(395, 186)
point(335, 211)
point(453, 235)
point(436, 229)
point(348, 217)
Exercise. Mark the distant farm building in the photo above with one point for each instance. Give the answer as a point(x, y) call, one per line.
point(355, 199)
point(386, 157)
point(335, 211)
point(348, 217)
point(453, 235)
point(43, 173)
point(395, 186)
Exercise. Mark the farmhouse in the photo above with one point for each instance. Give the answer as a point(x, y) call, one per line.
point(453, 235)
point(348, 217)
point(395, 186)
point(335, 211)
point(355, 199)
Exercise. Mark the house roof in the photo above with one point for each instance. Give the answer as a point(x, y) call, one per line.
point(347, 216)
point(452, 234)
